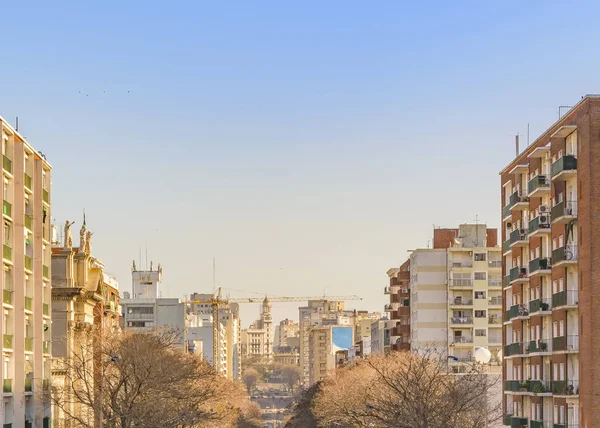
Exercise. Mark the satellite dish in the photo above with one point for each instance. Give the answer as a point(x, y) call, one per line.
point(482, 355)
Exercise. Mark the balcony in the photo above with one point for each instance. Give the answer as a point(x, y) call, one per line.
point(7, 386)
point(519, 422)
point(461, 320)
point(539, 305)
point(513, 349)
point(518, 311)
point(493, 264)
point(29, 344)
point(495, 301)
point(46, 196)
point(28, 303)
point(512, 385)
point(565, 255)
point(506, 214)
point(518, 274)
point(7, 341)
point(564, 212)
point(28, 263)
point(6, 208)
point(493, 320)
point(27, 181)
point(460, 301)
point(45, 309)
point(7, 297)
point(540, 266)
point(539, 424)
point(539, 225)
point(462, 339)
point(519, 238)
point(536, 346)
point(388, 308)
point(7, 252)
point(494, 282)
point(386, 290)
point(462, 264)
point(564, 168)
point(518, 202)
point(461, 283)
point(28, 384)
point(506, 246)
point(568, 343)
point(539, 186)
point(538, 386)
point(565, 387)
point(565, 298)
point(506, 281)
point(28, 222)
point(6, 164)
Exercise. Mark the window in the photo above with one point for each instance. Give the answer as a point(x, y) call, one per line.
point(480, 294)
point(480, 257)
point(480, 332)
point(479, 314)
point(480, 275)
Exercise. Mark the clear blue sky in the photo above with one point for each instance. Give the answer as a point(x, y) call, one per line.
point(307, 146)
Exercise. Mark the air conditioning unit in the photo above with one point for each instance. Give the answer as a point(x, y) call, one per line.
point(522, 231)
point(542, 179)
point(543, 208)
point(544, 219)
point(509, 225)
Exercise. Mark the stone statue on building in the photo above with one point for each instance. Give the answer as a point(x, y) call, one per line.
point(88, 242)
point(150, 265)
point(68, 237)
point(134, 268)
point(82, 235)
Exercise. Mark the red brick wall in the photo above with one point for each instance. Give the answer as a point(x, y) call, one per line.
point(444, 238)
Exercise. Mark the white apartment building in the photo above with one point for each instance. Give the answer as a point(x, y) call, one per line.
point(26, 292)
point(381, 335)
point(285, 330)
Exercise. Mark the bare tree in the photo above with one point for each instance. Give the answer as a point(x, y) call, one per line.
point(137, 379)
point(301, 414)
point(250, 377)
point(405, 390)
point(291, 375)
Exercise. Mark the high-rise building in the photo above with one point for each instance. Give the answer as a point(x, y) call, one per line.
point(381, 336)
point(550, 217)
point(455, 294)
point(145, 282)
point(286, 329)
point(399, 307)
point(26, 292)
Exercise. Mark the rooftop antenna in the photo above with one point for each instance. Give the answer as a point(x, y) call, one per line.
point(528, 135)
point(517, 144)
point(17, 124)
point(214, 276)
point(146, 268)
point(476, 230)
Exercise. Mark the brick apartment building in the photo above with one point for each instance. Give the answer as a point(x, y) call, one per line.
point(551, 275)
point(399, 307)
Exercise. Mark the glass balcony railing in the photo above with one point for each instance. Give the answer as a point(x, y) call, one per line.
point(7, 297)
point(506, 281)
point(538, 182)
point(512, 385)
point(506, 246)
point(28, 222)
point(565, 387)
point(506, 211)
point(7, 341)
point(537, 346)
point(28, 303)
point(536, 224)
point(518, 235)
point(7, 252)
point(564, 208)
point(29, 344)
point(538, 305)
point(27, 181)
point(513, 349)
point(565, 163)
point(6, 208)
point(518, 272)
point(6, 164)
point(566, 253)
point(28, 263)
point(565, 298)
point(541, 263)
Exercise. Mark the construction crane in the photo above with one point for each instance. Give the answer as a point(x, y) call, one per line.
point(218, 301)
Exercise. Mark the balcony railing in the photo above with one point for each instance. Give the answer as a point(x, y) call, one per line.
point(541, 263)
point(506, 246)
point(462, 339)
point(29, 344)
point(506, 211)
point(566, 343)
point(28, 303)
point(28, 222)
point(7, 297)
point(512, 385)
point(496, 300)
point(28, 263)
point(515, 198)
point(461, 320)
point(461, 301)
point(6, 208)
point(7, 386)
point(46, 196)
point(536, 224)
point(7, 341)
point(538, 346)
point(461, 283)
point(565, 387)
point(462, 263)
point(518, 272)
point(539, 386)
point(7, 252)
point(565, 298)
point(506, 281)
point(538, 182)
point(513, 349)
point(27, 181)
point(6, 164)
point(564, 208)
point(495, 263)
point(493, 319)
point(518, 235)
point(565, 163)
point(538, 305)
point(518, 311)
point(566, 253)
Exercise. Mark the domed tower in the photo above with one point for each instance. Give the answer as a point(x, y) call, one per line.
point(267, 324)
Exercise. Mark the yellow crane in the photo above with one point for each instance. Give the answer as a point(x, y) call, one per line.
point(217, 301)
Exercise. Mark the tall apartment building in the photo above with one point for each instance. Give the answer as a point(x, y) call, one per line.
point(456, 293)
point(329, 344)
point(550, 195)
point(381, 336)
point(26, 290)
point(285, 330)
point(399, 306)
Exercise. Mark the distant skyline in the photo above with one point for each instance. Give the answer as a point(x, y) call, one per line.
point(306, 146)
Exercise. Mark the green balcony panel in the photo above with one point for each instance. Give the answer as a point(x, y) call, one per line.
point(7, 297)
point(6, 164)
point(536, 424)
point(29, 344)
point(534, 305)
point(28, 263)
point(559, 386)
point(506, 211)
point(28, 222)
point(506, 246)
point(559, 299)
point(539, 181)
point(506, 281)
point(27, 181)
point(515, 273)
point(46, 196)
point(514, 198)
point(7, 386)
point(7, 341)
point(559, 343)
point(519, 422)
point(7, 208)
point(533, 346)
point(514, 311)
point(507, 419)
point(7, 252)
point(565, 163)
point(28, 303)
point(541, 263)
point(511, 385)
